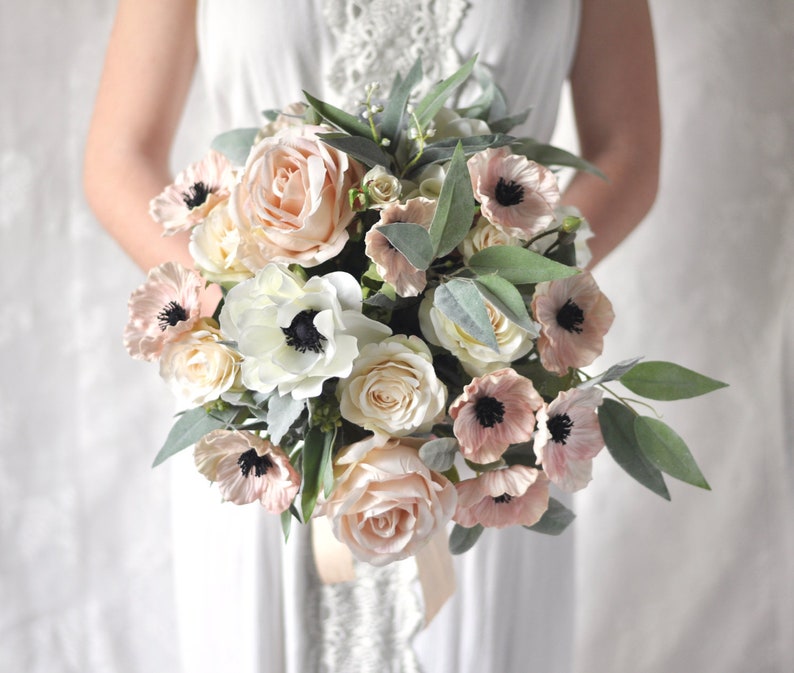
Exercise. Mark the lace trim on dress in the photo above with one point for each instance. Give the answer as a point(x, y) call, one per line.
point(375, 39)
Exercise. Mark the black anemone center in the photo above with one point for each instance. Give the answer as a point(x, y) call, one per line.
point(171, 315)
point(503, 499)
point(508, 193)
point(302, 335)
point(196, 195)
point(570, 317)
point(560, 426)
point(252, 461)
point(489, 411)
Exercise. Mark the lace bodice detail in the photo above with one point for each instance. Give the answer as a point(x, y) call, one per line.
point(376, 38)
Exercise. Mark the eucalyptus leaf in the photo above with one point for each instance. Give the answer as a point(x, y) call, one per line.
point(461, 302)
point(461, 539)
point(366, 150)
point(317, 449)
point(444, 149)
point(339, 118)
point(438, 95)
point(491, 103)
point(286, 523)
point(189, 428)
point(412, 240)
point(282, 412)
point(391, 121)
point(518, 265)
point(505, 124)
point(667, 451)
point(659, 380)
point(617, 427)
point(611, 374)
point(554, 520)
point(439, 454)
point(549, 155)
point(455, 207)
point(236, 144)
point(505, 297)
point(549, 385)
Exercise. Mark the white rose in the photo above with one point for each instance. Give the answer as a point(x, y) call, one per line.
point(198, 368)
point(384, 188)
point(294, 335)
point(393, 388)
point(386, 504)
point(449, 124)
point(215, 244)
point(428, 183)
point(475, 357)
point(483, 235)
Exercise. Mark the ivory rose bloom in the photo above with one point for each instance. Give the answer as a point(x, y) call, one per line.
point(392, 265)
point(475, 357)
point(198, 367)
point(510, 496)
point(215, 245)
point(247, 468)
point(517, 194)
point(449, 124)
point(386, 503)
point(161, 310)
point(383, 187)
point(393, 388)
point(483, 235)
point(295, 335)
point(194, 193)
point(292, 199)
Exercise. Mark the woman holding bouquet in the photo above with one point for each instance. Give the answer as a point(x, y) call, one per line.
point(248, 602)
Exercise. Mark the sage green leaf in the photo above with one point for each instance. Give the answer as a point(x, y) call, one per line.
point(611, 374)
point(505, 124)
point(461, 539)
point(659, 380)
point(491, 103)
point(365, 150)
point(554, 520)
point(189, 428)
point(505, 297)
point(549, 385)
point(235, 145)
point(317, 448)
point(339, 118)
point(617, 427)
point(286, 523)
point(666, 450)
point(439, 454)
point(282, 412)
point(438, 95)
point(548, 155)
point(391, 121)
point(444, 149)
point(518, 265)
point(461, 302)
point(455, 207)
point(412, 240)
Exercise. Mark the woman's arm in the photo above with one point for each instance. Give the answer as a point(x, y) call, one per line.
point(616, 103)
point(148, 69)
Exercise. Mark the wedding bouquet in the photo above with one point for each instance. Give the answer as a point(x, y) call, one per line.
point(404, 323)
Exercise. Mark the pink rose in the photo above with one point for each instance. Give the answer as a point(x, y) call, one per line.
point(292, 199)
point(387, 503)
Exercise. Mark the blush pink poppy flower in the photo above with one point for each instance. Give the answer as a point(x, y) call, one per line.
point(247, 468)
point(392, 265)
point(515, 193)
point(574, 316)
point(510, 496)
point(569, 437)
point(493, 412)
point(162, 310)
point(194, 193)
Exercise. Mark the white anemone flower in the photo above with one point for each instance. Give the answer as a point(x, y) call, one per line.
point(295, 335)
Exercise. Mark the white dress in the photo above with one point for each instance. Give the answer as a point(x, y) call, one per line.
point(246, 601)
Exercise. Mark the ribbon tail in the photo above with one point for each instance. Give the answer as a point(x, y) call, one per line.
point(436, 574)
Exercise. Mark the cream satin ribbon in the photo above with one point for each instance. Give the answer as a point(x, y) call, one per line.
point(433, 562)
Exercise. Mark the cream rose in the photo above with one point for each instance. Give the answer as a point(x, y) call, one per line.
point(386, 503)
point(483, 235)
point(475, 357)
point(393, 388)
point(215, 245)
point(383, 187)
point(449, 124)
point(292, 199)
point(198, 368)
